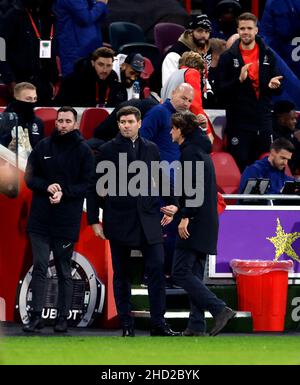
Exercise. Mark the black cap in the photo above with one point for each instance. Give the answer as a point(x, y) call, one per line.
point(283, 106)
point(136, 60)
point(199, 21)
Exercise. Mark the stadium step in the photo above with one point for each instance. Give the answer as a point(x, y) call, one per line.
point(178, 309)
point(241, 323)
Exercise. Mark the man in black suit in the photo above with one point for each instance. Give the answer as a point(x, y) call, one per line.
point(198, 228)
point(131, 221)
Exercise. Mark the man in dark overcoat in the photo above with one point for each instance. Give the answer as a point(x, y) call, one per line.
point(131, 221)
point(198, 227)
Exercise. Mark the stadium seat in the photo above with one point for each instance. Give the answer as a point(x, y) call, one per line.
point(228, 175)
point(90, 119)
point(148, 70)
point(48, 116)
point(218, 144)
point(122, 32)
point(4, 95)
point(166, 34)
point(146, 49)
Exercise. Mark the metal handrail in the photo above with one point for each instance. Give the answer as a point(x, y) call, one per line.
point(261, 197)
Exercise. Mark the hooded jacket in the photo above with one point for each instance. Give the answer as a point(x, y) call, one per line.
point(263, 169)
point(67, 160)
point(78, 29)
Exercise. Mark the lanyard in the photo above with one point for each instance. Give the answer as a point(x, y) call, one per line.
point(38, 35)
point(106, 94)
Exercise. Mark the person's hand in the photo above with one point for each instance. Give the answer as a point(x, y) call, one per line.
point(102, 1)
point(98, 230)
point(53, 188)
point(169, 210)
point(297, 135)
point(13, 145)
point(275, 82)
point(203, 122)
point(182, 228)
point(244, 72)
point(56, 197)
point(166, 219)
point(55, 89)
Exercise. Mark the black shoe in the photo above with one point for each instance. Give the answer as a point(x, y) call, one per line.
point(128, 332)
point(221, 320)
point(192, 333)
point(144, 283)
point(61, 325)
point(164, 331)
point(34, 325)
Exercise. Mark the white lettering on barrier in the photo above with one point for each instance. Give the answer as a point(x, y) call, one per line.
point(2, 49)
point(296, 311)
point(296, 51)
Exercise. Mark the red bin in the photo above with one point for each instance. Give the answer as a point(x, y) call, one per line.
point(262, 290)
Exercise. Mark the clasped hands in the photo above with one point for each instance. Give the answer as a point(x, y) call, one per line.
point(56, 193)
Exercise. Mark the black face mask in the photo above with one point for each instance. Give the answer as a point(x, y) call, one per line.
point(25, 110)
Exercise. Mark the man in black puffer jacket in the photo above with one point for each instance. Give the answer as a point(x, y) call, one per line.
point(58, 172)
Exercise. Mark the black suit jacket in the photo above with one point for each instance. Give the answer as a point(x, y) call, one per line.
point(125, 218)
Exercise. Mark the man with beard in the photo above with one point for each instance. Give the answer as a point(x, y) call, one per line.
point(271, 167)
point(28, 30)
point(93, 82)
point(58, 172)
point(248, 78)
point(25, 98)
point(129, 69)
point(195, 38)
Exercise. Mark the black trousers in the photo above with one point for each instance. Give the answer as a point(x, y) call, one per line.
point(247, 146)
point(62, 253)
point(154, 266)
point(188, 271)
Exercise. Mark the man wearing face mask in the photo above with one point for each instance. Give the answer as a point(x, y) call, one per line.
point(25, 98)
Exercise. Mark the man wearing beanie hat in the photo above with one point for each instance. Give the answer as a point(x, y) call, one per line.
point(194, 38)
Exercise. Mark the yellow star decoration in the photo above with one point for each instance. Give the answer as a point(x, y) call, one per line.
point(283, 243)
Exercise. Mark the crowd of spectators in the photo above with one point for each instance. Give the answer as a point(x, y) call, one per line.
point(57, 46)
